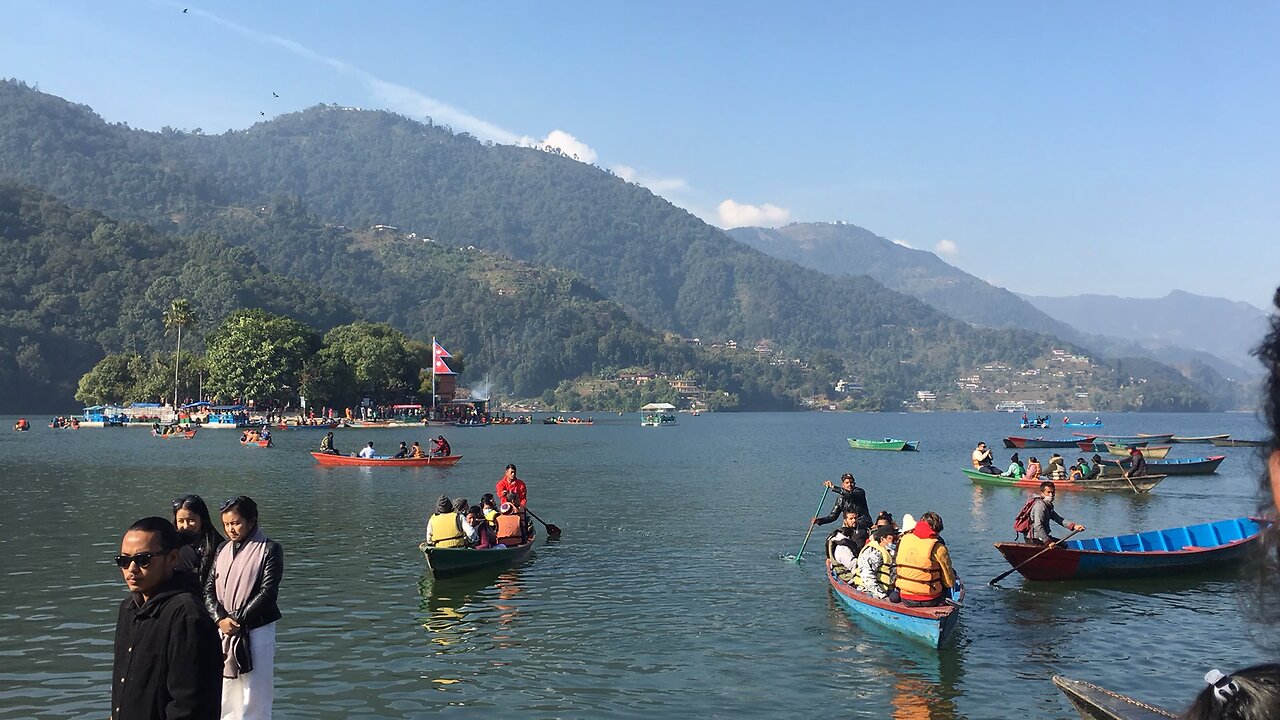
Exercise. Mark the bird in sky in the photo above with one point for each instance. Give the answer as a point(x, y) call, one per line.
point(184, 10)
point(274, 94)
point(262, 113)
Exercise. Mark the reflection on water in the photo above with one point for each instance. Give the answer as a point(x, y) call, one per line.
point(455, 610)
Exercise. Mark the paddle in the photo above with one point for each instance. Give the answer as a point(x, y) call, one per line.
point(1047, 548)
point(821, 499)
point(553, 531)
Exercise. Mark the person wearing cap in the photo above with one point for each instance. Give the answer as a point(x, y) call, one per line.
point(511, 530)
point(844, 543)
point(875, 563)
point(852, 499)
point(1016, 470)
point(1137, 464)
point(924, 565)
point(440, 447)
point(444, 529)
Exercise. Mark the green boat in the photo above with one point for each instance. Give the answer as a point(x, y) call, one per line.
point(885, 444)
point(449, 562)
point(1141, 483)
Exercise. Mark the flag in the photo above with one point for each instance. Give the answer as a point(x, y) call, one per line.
point(438, 352)
point(440, 368)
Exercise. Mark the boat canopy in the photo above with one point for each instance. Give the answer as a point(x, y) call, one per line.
point(226, 408)
point(406, 407)
point(658, 406)
point(143, 405)
point(202, 403)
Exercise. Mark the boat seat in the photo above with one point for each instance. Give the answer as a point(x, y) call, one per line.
point(1152, 540)
point(1202, 535)
point(1129, 543)
point(1109, 544)
point(1176, 538)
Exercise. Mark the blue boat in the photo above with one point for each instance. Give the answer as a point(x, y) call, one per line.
point(1175, 550)
point(1095, 423)
point(933, 625)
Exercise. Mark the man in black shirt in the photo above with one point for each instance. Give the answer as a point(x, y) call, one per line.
point(852, 499)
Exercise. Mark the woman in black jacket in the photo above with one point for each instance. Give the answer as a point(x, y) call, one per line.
point(191, 517)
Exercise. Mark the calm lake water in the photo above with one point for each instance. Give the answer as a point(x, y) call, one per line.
point(670, 593)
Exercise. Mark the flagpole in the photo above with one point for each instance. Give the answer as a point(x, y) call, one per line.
point(433, 374)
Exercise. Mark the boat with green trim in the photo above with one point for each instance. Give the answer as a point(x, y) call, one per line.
point(1142, 483)
point(885, 444)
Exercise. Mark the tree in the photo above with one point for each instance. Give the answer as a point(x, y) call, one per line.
point(256, 355)
point(377, 356)
point(178, 316)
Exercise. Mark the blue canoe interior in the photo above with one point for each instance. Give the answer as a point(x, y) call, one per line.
point(1177, 539)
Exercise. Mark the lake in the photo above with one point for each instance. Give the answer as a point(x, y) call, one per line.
point(671, 592)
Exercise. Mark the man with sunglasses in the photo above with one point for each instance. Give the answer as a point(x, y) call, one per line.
point(168, 658)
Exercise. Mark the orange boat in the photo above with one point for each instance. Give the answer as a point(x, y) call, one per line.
point(259, 443)
point(327, 459)
point(184, 434)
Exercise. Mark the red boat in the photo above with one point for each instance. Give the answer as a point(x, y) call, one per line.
point(259, 443)
point(327, 459)
point(184, 434)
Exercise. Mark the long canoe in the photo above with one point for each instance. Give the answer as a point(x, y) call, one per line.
point(1127, 439)
point(450, 562)
point(1101, 447)
point(1097, 703)
point(1143, 483)
point(182, 435)
point(1039, 442)
point(885, 444)
point(1237, 443)
point(327, 459)
point(1155, 452)
point(1186, 548)
point(1202, 439)
point(934, 626)
point(1095, 423)
point(1177, 466)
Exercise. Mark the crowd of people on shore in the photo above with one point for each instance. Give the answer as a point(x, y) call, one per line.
point(491, 524)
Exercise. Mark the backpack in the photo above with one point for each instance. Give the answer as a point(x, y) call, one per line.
point(1022, 521)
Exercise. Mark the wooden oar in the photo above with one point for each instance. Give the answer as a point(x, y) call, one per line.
point(1047, 548)
point(553, 531)
point(821, 499)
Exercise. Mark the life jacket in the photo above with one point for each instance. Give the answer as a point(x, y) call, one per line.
point(444, 530)
point(491, 517)
point(884, 575)
point(919, 574)
point(509, 530)
point(326, 443)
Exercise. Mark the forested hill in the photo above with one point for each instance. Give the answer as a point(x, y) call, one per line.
point(75, 285)
point(357, 168)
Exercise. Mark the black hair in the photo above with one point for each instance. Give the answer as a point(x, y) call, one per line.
point(243, 505)
point(169, 537)
point(933, 519)
point(1252, 693)
point(1049, 485)
point(487, 499)
point(210, 538)
point(1263, 572)
point(512, 468)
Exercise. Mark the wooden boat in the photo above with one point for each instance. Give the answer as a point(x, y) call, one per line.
point(1227, 442)
point(885, 444)
point(1128, 439)
point(1101, 447)
point(1176, 466)
point(258, 443)
point(1096, 703)
point(1154, 452)
point(183, 434)
point(1143, 483)
point(934, 626)
point(450, 562)
point(1155, 552)
point(1095, 423)
point(658, 420)
point(1021, 442)
point(1203, 439)
point(327, 459)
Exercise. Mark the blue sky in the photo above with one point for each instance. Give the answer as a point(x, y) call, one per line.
point(1119, 148)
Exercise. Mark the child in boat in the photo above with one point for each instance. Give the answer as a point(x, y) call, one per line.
point(484, 535)
point(1033, 470)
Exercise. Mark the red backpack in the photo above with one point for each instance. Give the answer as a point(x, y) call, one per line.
point(1022, 521)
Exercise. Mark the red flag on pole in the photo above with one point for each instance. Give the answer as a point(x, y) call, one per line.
point(439, 352)
point(440, 368)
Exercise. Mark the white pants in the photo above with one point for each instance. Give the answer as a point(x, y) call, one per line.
point(249, 696)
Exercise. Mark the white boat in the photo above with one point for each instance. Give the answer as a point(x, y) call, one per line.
point(658, 415)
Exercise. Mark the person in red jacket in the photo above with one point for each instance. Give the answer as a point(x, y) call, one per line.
point(510, 484)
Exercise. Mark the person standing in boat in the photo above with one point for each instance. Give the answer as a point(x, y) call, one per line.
point(326, 444)
point(1042, 513)
point(925, 574)
point(1137, 464)
point(852, 499)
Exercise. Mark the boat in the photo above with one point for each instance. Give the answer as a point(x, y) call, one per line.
point(1155, 452)
point(561, 420)
point(1095, 423)
point(181, 434)
point(450, 562)
point(472, 423)
point(1186, 548)
point(259, 443)
point(1101, 447)
point(1011, 406)
point(1142, 483)
point(1039, 442)
point(1127, 439)
point(1177, 466)
point(661, 420)
point(1202, 439)
point(328, 460)
point(932, 625)
point(1034, 424)
point(885, 444)
point(1227, 442)
point(1097, 703)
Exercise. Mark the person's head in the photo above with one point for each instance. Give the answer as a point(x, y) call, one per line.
point(475, 514)
point(370, 443)
point(1096, 458)
point(884, 517)
point(850, 519)
point(982, 446)
point(444, 504)
point(329, 434)
point(883, 534)
point(415, 443)
point(148, 554)
point(239, 517)
point(1048, 490)
point(933, 520)
point(461, 505)
point(403, 445)
point(1056, 456)
point(507, 509)
point(1134, 451)
point(1079, 461)
point(1034, 460)
point(511, 471)
point(487, 501)
point(847, 481)
point(1249, 694)
point(191, 515)
point(441, 438)
point(1014, 458)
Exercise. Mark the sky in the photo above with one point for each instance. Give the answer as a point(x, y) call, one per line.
point(1050, 148)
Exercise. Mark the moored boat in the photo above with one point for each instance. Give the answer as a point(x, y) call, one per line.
point(934, 626)
point(1202, 439)
point(1097, 703)
point(1101, 447)
point(1142, 483)
point(1128, 439)
point(450, 562)
point(1154, 452)
point(1176, 466)
point(327, 459)
point(1227, 442)
point(1186, 548)
point(1020, 442)
point(885, 444)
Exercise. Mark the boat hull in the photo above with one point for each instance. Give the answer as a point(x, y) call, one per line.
point(1154, 552)
point(1151, 452)
point(1021, 442)
point(933, 626)
point(184, 435)
point(1127, 439)
point(1096, 703)
point(886, 444)
point(452, 562)
point(1143, 483)
point(1202, 439)
point(1086, 424)
point(1227, 442)
point(1179, 466)
point(334, 460)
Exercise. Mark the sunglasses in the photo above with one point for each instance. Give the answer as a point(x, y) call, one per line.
point(143, 559)
point(229, 502)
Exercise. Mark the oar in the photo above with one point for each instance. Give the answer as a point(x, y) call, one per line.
point(821, 499)
point(553, 531)
point(1047, 548)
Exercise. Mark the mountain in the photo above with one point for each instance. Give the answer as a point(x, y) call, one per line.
point(361, 169)
point(1225, 328)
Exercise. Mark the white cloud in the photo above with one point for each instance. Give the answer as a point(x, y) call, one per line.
point(660, 185)
point(735, 214)
point(903, 243)
point(947, 247)
point(570, 145)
